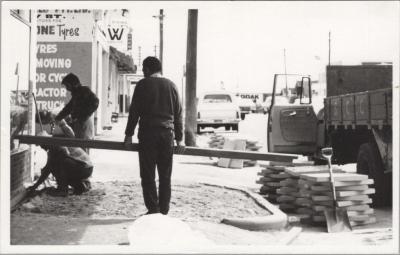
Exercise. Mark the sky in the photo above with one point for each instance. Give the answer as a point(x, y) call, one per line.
point(241, 43)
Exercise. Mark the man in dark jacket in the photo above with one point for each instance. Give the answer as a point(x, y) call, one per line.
point(157, 108)
point(71, 166)
point(81, 107)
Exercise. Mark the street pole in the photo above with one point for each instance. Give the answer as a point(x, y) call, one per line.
point(329, 52)
point(191, 76)
point(284, 60)
point(161, 19)
point(161, 36)
point(140, 56)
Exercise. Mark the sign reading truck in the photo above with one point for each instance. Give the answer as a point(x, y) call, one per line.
point(64, 45)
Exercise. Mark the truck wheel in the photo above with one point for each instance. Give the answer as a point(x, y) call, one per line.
point(235, 127)
point(369, 162)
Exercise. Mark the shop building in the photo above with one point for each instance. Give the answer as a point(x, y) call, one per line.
point(18, 83)
point(79, 41)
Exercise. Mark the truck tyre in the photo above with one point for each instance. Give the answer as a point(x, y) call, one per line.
point(235, 127)
point(369, 162)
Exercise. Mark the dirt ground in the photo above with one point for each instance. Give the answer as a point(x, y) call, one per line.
point(202, 206)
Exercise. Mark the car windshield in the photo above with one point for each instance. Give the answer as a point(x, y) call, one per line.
point(217, 98)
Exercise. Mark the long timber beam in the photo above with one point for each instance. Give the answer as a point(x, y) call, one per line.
point(193, 151)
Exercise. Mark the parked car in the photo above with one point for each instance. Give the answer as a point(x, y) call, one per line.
point(218, 109)
point(246, 106)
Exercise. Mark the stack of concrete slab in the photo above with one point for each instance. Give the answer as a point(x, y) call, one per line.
point(234, 142)
point(304, 189)
point(216, 141)
point(352, 193)
point(271, 176)
point(251, 145)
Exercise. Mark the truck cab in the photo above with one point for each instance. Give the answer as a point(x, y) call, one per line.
point(292, 121)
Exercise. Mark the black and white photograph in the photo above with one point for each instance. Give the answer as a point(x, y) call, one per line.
point(202, 127)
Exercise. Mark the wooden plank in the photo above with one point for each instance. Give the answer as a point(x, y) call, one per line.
point(193, 151)
point(324, 177)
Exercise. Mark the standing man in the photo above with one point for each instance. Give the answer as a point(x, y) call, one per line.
point(81, 107)
point(156, 105)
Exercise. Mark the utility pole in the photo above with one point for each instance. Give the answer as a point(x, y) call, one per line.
point(329, 52)
point(140, 56)
point(284, 60)
point(191, 76)
point(161, 19)
point(183, 84)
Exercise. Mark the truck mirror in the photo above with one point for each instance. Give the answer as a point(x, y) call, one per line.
point(305, 90)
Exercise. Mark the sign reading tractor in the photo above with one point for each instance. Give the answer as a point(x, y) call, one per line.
point(64, 46)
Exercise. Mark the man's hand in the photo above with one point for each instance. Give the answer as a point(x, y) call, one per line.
point(180, 147)
point(128, 141)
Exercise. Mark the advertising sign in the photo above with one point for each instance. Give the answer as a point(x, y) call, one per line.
point(64, 46)
point(117, 30)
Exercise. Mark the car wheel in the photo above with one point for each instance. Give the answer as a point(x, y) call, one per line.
point(369, 162)
point(242, 116)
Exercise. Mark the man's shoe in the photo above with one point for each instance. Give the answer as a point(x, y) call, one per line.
point(58, 193)
point(151, 212)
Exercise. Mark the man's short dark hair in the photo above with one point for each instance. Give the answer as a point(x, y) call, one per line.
point(153, 64)
point(71, 79)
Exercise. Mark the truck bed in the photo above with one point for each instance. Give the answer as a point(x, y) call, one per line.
point(370, 108)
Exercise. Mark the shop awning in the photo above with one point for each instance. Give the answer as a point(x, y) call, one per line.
point(124, 62)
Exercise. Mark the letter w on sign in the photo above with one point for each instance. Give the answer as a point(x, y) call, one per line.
point(114, 33)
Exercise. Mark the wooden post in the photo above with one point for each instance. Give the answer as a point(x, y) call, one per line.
point(191, 73)
point(161, 36)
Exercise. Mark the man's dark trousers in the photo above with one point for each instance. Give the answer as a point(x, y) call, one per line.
point(156, 149)
point(71, 172)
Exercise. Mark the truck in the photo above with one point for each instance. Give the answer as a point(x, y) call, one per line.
point(355, 119)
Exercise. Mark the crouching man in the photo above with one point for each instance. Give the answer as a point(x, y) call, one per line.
point(71, 166)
